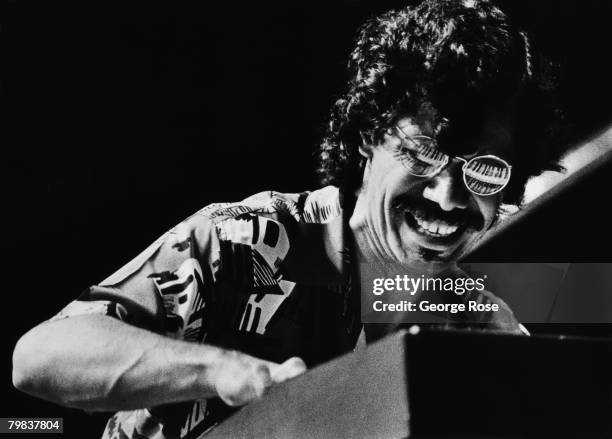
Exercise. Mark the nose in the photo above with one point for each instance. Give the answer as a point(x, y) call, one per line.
point(447, 189)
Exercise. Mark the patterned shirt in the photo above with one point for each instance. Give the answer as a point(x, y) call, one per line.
point(269, 276)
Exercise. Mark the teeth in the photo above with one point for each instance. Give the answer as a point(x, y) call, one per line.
point(436, 227)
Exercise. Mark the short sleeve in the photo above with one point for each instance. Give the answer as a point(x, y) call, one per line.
point(163, 288)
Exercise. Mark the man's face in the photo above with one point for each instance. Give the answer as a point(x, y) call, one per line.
point(422, 222)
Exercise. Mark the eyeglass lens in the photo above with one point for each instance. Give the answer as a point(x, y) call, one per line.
point(424, 158)
point(484, 175)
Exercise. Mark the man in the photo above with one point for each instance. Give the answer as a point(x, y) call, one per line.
point(445, 117)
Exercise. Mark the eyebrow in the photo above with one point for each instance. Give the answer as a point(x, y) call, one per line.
point(476, 153)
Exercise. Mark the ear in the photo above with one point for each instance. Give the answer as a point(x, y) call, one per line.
point(365, 149)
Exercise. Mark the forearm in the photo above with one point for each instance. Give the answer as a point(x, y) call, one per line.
point(95, 362)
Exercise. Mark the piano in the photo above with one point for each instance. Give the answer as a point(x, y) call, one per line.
point(441, 384)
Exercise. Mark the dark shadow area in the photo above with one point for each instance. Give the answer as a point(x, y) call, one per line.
point(121, 120)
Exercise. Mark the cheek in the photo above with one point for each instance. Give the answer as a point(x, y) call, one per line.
point(488, 208)
point(384, 175)
point(390, 174)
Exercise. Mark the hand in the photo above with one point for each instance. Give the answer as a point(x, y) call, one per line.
point(240, 378)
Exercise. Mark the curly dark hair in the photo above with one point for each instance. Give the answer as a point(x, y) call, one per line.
point(460, 57)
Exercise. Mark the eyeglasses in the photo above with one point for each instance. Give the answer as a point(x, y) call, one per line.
point(483, 175)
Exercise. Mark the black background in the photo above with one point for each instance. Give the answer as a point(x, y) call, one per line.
point(119, 120)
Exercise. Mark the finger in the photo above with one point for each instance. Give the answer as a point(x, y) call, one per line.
point(239, 385)
point(289, 369)
point(263, 379)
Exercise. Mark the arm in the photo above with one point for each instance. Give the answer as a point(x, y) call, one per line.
point(95, 360)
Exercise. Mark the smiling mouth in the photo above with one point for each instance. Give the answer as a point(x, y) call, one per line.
point(433, 227)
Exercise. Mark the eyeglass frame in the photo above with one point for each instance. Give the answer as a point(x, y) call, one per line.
point(449, 158)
